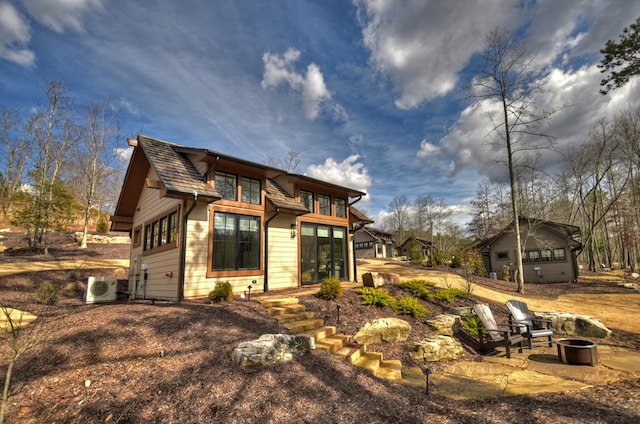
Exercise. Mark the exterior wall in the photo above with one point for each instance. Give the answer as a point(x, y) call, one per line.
point(549, 271)
point(158, 285)
point(283, 254)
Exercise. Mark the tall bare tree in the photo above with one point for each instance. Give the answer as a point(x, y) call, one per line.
point(400, 217)
point(508, 76)
point(17, 151)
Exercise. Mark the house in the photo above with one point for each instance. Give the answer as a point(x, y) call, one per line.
point(549, 254)
point(197, 217)
point(426, 247)
point(373, 243)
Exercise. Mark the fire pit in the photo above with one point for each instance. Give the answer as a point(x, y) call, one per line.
point(577, 351)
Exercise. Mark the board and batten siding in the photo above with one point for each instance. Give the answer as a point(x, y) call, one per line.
point(158, 285)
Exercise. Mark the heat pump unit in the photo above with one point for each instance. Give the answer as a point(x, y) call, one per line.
point(101, 289)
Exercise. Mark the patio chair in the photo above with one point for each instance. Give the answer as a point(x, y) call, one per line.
point(531, 327)
point(506, 337)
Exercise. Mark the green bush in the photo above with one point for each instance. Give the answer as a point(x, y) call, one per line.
point(451, 294)
point(409, 305)
point(375, 297)
point(102, 227)
point(418, 288)
point(222, 292)
point(472, 324)
point(49, 293)
point(330, 288)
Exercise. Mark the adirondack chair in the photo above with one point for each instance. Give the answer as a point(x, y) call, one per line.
point(506, 337)
point(531, 327)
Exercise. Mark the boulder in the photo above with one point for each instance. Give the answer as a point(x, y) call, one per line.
point(272, 348)
point(569, 324)
point(446, 325)
point(389, 330)
point(437, 348)
point(378, 279)
point(463, 311)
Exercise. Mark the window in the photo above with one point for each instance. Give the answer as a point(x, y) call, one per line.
point(162, 231)
point(546, 255)
point(306, 197)
point(533, 255)
point(502, 256)
point(250, 190)
point(324, 204)
point(341, 208)
point(137, 237)
point(236, 242)
point(559, 255)
point(226, 185)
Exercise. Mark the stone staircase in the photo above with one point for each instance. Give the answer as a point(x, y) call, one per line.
point(297, 320)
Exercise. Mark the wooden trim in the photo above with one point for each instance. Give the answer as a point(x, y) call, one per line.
point(153, 183)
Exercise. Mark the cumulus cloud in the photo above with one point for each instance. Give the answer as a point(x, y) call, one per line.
point(428, 151)
point(15, 35)
point(280, 70)
point(409, 42)
point(348, 173)
point(58, 15)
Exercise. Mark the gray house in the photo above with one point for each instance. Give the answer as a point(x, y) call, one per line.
point(373, 243)
point(425, 246)
point(549, 253)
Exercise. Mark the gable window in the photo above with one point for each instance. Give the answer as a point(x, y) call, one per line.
point(226, 185)
point(546, 255)
point(502, 256)
point(341, 208)
point(306, 198)
point(236, 242)
point(161, 232)
point(324, 204)
point(559, 255)
point(533, 255)
point(250, 190)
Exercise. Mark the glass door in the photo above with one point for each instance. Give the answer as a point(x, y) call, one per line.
point(323, 252)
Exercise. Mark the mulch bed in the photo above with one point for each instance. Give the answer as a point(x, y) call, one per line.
point(132, 362)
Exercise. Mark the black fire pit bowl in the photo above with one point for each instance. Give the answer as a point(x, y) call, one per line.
point(577, 351)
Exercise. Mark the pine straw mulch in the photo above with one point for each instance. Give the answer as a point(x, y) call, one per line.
point(132, 362)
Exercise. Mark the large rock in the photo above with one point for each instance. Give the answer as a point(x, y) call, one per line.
point(446, 325)
point(566, 323)
point(378, 279)
point(438, 348)
point(272, 348)
point(389, 330)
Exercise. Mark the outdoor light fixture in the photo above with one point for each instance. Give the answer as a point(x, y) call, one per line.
point(427, 373)
point(294, 230)
point(338, 309)
point(249, 288)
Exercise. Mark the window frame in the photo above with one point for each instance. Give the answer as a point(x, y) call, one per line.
point(236, 271)
point(221, 188)
point(324, 202)
point(307, 198)
point(251, 189)
point(502, 255)
point(157, 237)
point(341, 207)
point(564, 254)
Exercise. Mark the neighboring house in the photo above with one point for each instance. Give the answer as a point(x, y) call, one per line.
point(372, 243)
point(197, 217)
point(426, 247)
point(550, 251)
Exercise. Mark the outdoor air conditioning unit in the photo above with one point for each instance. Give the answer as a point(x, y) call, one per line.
point(101, 289)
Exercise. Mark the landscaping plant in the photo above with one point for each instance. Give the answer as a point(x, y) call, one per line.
point(330, 288)
point(222, 292)
point(376, 297)
point(409, 305)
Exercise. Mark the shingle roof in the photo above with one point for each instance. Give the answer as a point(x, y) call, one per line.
point(280, 198)
point(359, 215)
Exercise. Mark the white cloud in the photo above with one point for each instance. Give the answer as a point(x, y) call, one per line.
point(279, 70)
point(428, 151)
point(422, 45)
point(348, 173)
point(60, 14)
point(15, 35)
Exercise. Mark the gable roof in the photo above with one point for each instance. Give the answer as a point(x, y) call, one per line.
point(281, 199)
point(421, 242)
point(566, 231)
point(378, 234)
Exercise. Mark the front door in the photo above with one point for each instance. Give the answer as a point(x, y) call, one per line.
point(323, 252)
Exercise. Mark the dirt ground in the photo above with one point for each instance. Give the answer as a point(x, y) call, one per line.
point(133, 362)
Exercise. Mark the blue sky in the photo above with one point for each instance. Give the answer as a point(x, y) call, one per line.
point(369, 92)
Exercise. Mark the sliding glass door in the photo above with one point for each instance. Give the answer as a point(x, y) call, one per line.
point(323, 252)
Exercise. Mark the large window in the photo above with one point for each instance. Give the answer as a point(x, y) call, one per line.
point(226, 185)
point(559, 255)
point(250, 190)
point(306, 198)
point(236, 242)
point(162, 231)
point(324, 204)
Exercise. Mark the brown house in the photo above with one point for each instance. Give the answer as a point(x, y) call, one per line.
point(197, 217)
point(426, 247)
point(549, 254)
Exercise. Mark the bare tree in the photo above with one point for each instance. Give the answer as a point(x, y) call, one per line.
point(290, 163)
point(17, 152)
point(509, 78)
point(399, 215)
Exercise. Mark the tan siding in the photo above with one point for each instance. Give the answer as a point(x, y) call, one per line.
point(283, 254)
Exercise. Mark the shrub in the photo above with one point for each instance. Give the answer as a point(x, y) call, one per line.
point(375, 297)
point(418, 288)
point(102, 227)
point(451, 294)
point(409, 305)
point(330, 288)
point(472, 324)
point(506, 274)
point(222, 292)
point(49, 293)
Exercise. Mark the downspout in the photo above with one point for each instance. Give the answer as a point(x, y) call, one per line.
point(353, 244)
point(205, 177)
point(265, 287)
point(183, 247)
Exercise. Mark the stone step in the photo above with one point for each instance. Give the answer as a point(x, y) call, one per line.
point(332, 343)
point(390, 369)
point(350, 351)
point(270, 302)
point(304, 325)
point(370, 361)
point(298, 316)
point(414, 377)
point(320, 332)
point(285, 309)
